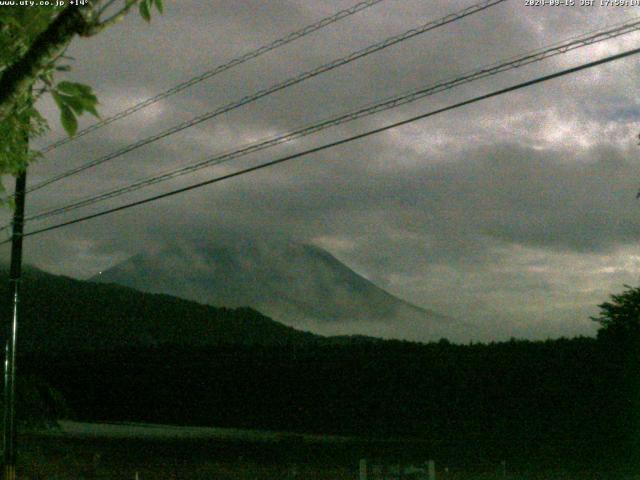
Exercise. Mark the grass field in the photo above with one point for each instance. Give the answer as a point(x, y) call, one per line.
point(152, 452)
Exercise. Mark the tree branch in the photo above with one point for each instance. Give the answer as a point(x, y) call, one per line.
point(73, 20)
point(112, 20)
point(18, 77)
point(105, 7)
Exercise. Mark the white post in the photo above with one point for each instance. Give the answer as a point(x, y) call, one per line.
point(363, 469)
point(137, 477)
point(431, 469)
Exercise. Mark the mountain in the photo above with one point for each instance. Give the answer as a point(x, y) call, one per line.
point(59, 313)
point(299, 284)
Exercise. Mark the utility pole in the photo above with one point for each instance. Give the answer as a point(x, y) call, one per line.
point(15, 274)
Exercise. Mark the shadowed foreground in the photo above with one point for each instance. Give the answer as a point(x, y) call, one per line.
point(54, 457)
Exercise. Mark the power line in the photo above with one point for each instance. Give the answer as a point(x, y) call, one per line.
point(483, 72)
point(341, 142)
point(275, 88)
point(218, 70)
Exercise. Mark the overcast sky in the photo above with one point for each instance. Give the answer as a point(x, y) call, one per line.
point(516, 214)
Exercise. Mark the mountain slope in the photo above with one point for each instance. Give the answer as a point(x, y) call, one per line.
point(60, 313)
point(291, 282)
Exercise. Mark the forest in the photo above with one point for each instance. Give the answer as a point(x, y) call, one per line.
point(564, 401)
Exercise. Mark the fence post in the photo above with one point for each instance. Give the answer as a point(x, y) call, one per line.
point(431, 469)
point(363, 469)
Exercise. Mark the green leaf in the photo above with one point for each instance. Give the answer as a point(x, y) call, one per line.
point(71, 88)
point(89, 98)
point(92, 110)
point(11, 20)
point(75, 103)
point(77, 90)
point(69, 121)
point(58, 99)
point(85, 90)
point(63, 68)
point(144, 11)
point(159, 6)
point(88, 104)
point(76, 96)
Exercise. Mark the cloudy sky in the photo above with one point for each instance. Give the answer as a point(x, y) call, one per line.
point(516, 214)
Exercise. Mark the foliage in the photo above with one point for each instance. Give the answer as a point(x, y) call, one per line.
point(145, 8)
point(33, 42)
point(620, 318)
point(18, 29)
